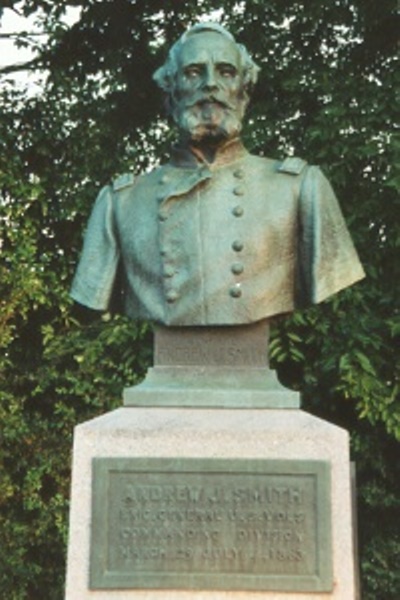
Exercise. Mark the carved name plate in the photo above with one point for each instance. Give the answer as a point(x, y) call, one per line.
point(211, 524)
point(241, 345)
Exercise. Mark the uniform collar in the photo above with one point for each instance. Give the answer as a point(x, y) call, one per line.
point(189, 158)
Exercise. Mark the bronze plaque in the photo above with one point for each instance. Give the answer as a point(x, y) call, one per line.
point(246, 524)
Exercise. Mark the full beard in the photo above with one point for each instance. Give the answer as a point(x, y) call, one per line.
point(209, 121)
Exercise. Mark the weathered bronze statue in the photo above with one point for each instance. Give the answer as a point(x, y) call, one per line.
point(216, 236)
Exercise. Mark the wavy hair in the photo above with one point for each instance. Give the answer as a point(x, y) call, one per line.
point(165, 76)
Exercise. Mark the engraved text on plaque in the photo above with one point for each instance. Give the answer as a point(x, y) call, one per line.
point(211, 524)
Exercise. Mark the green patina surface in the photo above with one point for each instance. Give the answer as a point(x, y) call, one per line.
point(216, 236)
point(223, 524)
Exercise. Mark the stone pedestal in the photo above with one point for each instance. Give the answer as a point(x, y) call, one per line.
point(209, 434)
point(203, 367)
point(210, 484)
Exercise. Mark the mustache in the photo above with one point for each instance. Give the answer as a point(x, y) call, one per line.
point(204, 100)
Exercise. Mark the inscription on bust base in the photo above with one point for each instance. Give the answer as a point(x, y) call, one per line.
point(211, 524)
point(235, 346)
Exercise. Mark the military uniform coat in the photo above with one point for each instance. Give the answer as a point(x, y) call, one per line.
point(227, 243)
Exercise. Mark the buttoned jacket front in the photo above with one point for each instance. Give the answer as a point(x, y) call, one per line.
point(229, 243)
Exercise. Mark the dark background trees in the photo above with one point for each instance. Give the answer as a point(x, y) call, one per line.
point(327, 93)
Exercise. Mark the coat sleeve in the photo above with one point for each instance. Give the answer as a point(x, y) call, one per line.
point(328, 261)
point(93, 284)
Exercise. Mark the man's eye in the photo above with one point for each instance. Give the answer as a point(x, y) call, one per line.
point(192, 72)
point(227, 71)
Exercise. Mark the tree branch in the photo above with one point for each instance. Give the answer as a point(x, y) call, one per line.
point(30, 65)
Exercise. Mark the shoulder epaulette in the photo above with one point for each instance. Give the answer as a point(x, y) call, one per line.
point(123, 181)
point(292, 165)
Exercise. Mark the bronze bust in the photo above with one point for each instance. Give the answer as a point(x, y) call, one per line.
point(216, 236)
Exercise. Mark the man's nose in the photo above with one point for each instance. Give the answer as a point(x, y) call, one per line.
point(210, 80)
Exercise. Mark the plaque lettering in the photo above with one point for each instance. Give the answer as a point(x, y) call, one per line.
point(211, 524)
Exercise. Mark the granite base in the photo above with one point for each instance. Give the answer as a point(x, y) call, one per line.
point(202, 434)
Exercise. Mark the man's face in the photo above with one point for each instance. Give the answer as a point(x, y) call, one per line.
point(209, 100)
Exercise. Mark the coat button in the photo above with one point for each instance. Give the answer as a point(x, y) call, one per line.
point(162, 215)
point(171, 296)
point(163, 179)
point(239, 173)
point(235, 291)
point(237, 211)
point(237, 268)
point(239, 190)
point(169, 271)
point(237, 246)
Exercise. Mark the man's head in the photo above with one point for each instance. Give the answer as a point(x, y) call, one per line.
point(208, 78)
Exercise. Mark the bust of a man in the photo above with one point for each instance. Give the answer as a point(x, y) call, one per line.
point(216, 236)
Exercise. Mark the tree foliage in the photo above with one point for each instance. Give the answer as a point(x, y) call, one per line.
point(326, 92)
